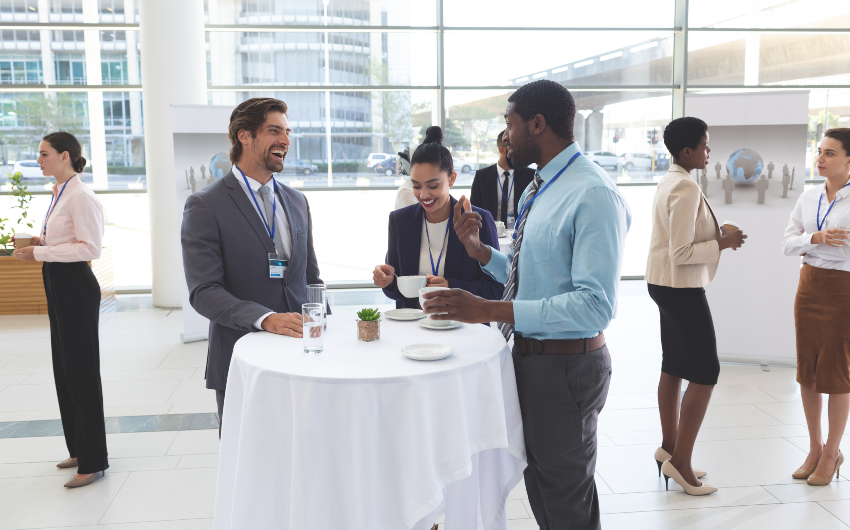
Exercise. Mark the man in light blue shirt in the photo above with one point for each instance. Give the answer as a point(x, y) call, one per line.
point(561, 279)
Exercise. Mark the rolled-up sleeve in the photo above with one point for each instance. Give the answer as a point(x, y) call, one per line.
point(600, 223)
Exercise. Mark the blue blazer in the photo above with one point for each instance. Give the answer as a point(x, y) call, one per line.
point(462, 272)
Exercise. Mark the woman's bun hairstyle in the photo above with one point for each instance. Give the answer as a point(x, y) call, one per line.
point(432, 151)
point(434, 134)
point(67, 142)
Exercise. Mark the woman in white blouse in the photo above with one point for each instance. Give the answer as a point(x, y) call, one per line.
point(72, 235)
point(818, 231)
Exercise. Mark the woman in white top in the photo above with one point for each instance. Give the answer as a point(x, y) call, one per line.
point(818, 231)
point(72, 235)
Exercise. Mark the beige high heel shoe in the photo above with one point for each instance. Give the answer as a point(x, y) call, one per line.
point(661, 455)
point(671, 472)
point(79, 483)
point(68, 462)
point(815, 480)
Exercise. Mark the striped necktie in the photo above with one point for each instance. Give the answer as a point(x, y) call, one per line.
point(511, 284)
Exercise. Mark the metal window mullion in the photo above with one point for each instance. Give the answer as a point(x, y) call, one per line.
point(680, 58)
point(441, 65)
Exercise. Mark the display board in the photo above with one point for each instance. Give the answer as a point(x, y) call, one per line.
point(754, 139)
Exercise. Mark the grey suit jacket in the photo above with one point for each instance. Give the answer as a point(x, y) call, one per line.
point(225, 259)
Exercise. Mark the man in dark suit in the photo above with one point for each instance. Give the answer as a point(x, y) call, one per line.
point(497, 188)
point(229, 230)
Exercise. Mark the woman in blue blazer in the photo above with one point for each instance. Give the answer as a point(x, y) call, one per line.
point(422, 240)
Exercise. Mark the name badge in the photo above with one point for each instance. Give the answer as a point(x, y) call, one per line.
point(277, 265)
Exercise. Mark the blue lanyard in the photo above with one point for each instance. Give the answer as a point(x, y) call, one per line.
point(274, 206)
point(436, 269)
point(51, 207)
point(511, 190)
point(820, 222)
point(539, 193)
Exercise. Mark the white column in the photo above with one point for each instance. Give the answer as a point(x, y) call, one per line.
point(751, 60)
point(169, 77)
point(680, 58)
point(97, 129)
point(224, 51)
point(47, 66)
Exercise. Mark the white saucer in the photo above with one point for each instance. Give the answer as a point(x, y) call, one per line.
point(404, 314)
point(427, 351)
point(426, 323)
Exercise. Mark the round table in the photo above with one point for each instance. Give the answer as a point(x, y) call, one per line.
point(360, 437)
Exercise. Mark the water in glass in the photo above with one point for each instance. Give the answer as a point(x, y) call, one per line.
point(312, 315)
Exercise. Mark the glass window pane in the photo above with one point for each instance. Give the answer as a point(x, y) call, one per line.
point(769, 14)
point(768, 59)
point(340, 12)
point(299, 58)
point(571, 58)
point(535, 13)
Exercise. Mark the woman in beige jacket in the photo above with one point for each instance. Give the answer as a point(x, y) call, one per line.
point(683, 255)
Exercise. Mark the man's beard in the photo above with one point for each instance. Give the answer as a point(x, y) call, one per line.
point(523, 153)
point(508, 159)
point(270, 162)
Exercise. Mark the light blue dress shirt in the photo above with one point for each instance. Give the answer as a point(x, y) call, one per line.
point(571, 254)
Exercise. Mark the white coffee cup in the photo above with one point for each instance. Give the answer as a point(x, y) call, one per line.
point(731, 225)
point(410, 285)
point(500, 228)
point(438, 323)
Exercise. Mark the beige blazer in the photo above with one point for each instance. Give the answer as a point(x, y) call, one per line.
point(683, 248)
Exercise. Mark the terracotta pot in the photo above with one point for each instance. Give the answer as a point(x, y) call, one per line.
point(368, 331)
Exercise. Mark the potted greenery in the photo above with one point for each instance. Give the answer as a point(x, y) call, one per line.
point(368, 325)
point(24, 198)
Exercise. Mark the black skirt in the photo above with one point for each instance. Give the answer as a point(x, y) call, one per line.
point(688, 343)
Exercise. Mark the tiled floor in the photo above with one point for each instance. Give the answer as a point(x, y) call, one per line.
point(754, 436)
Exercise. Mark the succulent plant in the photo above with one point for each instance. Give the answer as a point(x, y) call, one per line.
point(368, 315)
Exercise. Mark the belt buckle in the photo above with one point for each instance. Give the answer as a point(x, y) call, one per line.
point(533, 346)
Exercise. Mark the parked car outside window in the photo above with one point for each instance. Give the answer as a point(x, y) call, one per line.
point(29, 169)
point(374, 158)
point(605, 159)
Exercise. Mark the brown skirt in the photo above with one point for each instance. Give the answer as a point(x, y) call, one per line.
point(823, 332)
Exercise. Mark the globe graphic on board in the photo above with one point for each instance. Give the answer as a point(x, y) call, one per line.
point(745, 165)
point(219, 165)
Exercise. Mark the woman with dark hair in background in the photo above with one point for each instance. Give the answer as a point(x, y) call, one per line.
point(818, 231)
point(422, 240)
point(684, 252)
point(72, 235)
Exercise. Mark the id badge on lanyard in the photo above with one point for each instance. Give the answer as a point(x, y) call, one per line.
point(277, 265)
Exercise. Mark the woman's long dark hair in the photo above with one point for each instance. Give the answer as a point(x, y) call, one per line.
point(62, 142)
point(432, 151)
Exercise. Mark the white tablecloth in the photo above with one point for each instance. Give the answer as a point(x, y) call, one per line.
point(504, 243)
point(360, 437)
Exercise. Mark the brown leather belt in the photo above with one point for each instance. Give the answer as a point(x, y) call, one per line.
point(524, 346)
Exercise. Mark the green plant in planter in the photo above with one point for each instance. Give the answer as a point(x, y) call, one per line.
point(24, 197)
point(368, 315)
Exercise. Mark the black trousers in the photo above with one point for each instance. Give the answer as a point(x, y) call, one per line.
point(560, 398)
point(73, 305)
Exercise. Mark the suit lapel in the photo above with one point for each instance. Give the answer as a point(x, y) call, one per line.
point(288, 212)
point(248, 210)
point(412, 241)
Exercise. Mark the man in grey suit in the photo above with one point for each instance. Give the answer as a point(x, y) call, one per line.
point(230, 229)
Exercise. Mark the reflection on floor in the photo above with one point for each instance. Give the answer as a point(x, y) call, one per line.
point(754, 436)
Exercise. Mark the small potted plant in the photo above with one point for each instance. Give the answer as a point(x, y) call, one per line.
point(368, 325)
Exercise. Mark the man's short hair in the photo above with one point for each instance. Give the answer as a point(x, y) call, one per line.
point(550, 99)
point(684, 132)
point(250, 116)
point(500, 142)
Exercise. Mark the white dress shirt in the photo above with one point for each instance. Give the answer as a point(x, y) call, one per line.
point(439, 242)
point(281, 222)
point(405, 197)
point(501, 184)
point(75, 226)
point(804, 223)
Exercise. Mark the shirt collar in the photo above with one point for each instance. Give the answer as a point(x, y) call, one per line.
point(255, 186)
point(841, 194)
point(70, 183)
point(674, 168)
point(501, 171)
point(556, 164)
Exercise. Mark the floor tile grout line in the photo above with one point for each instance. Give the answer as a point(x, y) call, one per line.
point(114, 497)
point(830, 512)
point(772, 495)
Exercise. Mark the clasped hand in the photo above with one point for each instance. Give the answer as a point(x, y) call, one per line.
point(26, 253)
point(289, 324)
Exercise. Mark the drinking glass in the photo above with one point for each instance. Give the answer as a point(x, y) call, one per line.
point(313, 316)
point(842, 222)
point(318, 294)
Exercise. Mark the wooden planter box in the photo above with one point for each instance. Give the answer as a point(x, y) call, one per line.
point(22, 287)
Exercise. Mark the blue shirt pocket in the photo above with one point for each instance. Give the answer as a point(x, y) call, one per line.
point(537, 243)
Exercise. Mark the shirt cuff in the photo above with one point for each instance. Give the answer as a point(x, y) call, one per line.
point(258, 324)
point(497, 267)
point(39, 253)
point(527, 316)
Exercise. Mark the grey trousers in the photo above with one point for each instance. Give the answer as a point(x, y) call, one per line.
point(560, 398)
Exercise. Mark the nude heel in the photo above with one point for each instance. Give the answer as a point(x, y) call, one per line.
point(661, 455)
point(815, 480)
point(671, 472)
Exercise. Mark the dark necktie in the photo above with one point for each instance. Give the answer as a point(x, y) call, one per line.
point(511, 285)
point(505, 191)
